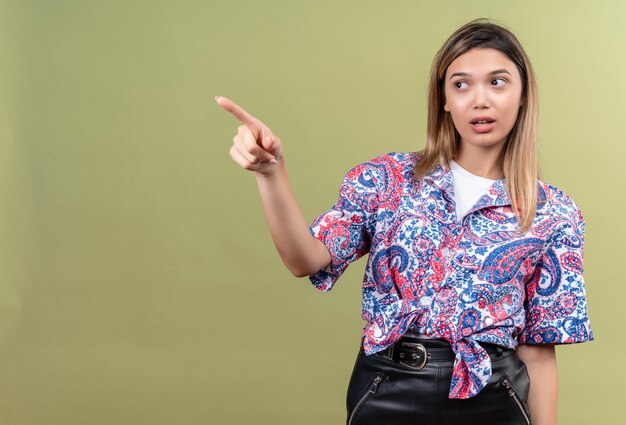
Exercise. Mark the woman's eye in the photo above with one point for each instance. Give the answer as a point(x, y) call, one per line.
point(498, 82)
point(460, 84)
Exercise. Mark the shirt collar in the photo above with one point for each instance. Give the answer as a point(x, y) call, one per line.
point(496, 196)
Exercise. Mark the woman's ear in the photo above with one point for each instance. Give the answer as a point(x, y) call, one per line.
point(445, 107)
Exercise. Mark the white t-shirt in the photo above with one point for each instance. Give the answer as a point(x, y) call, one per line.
point(468, 188)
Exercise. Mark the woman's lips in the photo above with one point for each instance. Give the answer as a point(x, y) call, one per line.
point(482, 127)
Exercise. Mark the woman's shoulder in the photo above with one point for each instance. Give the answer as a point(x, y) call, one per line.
point(557, 202)
point(393, 162)
point(384, 172)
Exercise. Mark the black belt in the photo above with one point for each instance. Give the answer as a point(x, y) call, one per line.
point(415, 353)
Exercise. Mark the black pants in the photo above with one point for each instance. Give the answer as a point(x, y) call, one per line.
point(383, 391)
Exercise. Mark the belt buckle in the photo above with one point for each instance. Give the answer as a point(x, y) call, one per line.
point(423, 357)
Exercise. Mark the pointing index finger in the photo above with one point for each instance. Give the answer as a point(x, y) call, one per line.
point(238, 112)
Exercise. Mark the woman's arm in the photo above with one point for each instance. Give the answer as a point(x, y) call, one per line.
point(256, 148)
point(301, 253)
point(540, 361)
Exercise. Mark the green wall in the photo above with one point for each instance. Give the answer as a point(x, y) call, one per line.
point(138, 282)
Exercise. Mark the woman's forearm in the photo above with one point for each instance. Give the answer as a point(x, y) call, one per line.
point(542, 369)
point(301, 253)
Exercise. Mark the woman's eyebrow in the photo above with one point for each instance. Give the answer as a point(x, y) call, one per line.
point(465, 74)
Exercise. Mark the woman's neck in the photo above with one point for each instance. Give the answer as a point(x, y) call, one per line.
point(480, 162)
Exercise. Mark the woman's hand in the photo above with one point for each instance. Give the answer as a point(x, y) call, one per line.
point(255, 147)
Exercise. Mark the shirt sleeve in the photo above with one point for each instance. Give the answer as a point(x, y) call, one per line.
point(556, 301)
point(348, 226)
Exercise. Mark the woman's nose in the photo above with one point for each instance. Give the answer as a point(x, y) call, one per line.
point(480, 98)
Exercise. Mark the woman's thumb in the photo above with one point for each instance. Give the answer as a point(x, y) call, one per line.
point(268, 143)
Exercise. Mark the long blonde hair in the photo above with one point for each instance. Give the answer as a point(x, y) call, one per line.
point(519, 158)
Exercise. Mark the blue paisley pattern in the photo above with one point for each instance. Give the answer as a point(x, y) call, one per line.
point(479, 279)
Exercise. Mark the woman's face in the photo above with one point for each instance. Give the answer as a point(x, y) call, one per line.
point(483, 91)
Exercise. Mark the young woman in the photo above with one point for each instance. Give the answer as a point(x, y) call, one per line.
point(475, 265)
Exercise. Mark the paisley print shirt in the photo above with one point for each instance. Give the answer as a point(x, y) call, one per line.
point(477, 279)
